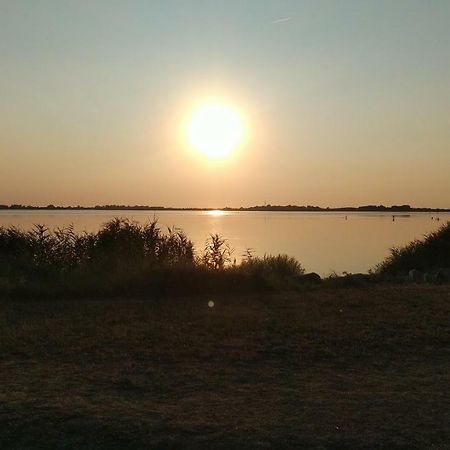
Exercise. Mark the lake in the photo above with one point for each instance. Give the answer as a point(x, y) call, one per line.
point(322, 241)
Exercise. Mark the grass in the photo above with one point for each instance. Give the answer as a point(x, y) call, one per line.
point(358, 368)
point(431, 253)
point(127, 259)
point(274, 364)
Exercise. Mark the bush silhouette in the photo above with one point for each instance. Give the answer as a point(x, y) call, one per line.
point(126, 258)
point(430, 253)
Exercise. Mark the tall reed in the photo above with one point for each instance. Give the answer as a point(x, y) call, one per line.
point(127, 258)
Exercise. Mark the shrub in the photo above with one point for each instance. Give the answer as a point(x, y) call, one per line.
point(217, 252)
point(280, 265)
point(175, 248)
point(271, 272)
point(126, 258)
point(427, 254)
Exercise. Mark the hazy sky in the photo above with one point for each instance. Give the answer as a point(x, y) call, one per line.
point(345, 102)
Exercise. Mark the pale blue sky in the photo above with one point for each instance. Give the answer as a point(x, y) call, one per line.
point(348, 102)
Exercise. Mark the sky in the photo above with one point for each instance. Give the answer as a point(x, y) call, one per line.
point(344, 102)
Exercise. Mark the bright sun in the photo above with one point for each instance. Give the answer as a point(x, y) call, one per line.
point(214, 129)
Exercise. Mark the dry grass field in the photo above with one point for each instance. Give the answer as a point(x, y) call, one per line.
point(364, 368)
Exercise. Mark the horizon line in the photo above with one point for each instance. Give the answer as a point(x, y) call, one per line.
point(265, 207)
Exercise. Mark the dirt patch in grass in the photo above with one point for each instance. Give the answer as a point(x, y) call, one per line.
point(327, 369)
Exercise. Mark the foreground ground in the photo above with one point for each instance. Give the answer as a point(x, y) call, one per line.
point(327, 369)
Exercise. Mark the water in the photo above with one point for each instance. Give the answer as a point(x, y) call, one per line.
point(322, 242)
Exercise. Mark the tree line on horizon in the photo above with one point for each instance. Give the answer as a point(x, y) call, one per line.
point(266, 207)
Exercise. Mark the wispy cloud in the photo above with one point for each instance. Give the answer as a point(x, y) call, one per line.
point(281, 19)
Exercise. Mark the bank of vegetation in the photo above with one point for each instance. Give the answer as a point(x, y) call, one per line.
point(125, 258)
point(327, 369)
point(428, 255)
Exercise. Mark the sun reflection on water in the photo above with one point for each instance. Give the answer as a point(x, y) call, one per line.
point(216, 212)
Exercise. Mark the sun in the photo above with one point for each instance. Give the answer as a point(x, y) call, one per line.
point(214, 129)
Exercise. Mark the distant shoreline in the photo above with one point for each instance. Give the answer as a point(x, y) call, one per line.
point(268, 208)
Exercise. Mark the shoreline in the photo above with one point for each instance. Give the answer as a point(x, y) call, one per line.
point(268, 208)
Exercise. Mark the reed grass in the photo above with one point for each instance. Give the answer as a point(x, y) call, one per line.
point(433, 252)
point(127, 258)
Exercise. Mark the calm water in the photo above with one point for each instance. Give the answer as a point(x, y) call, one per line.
point(322, 242)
